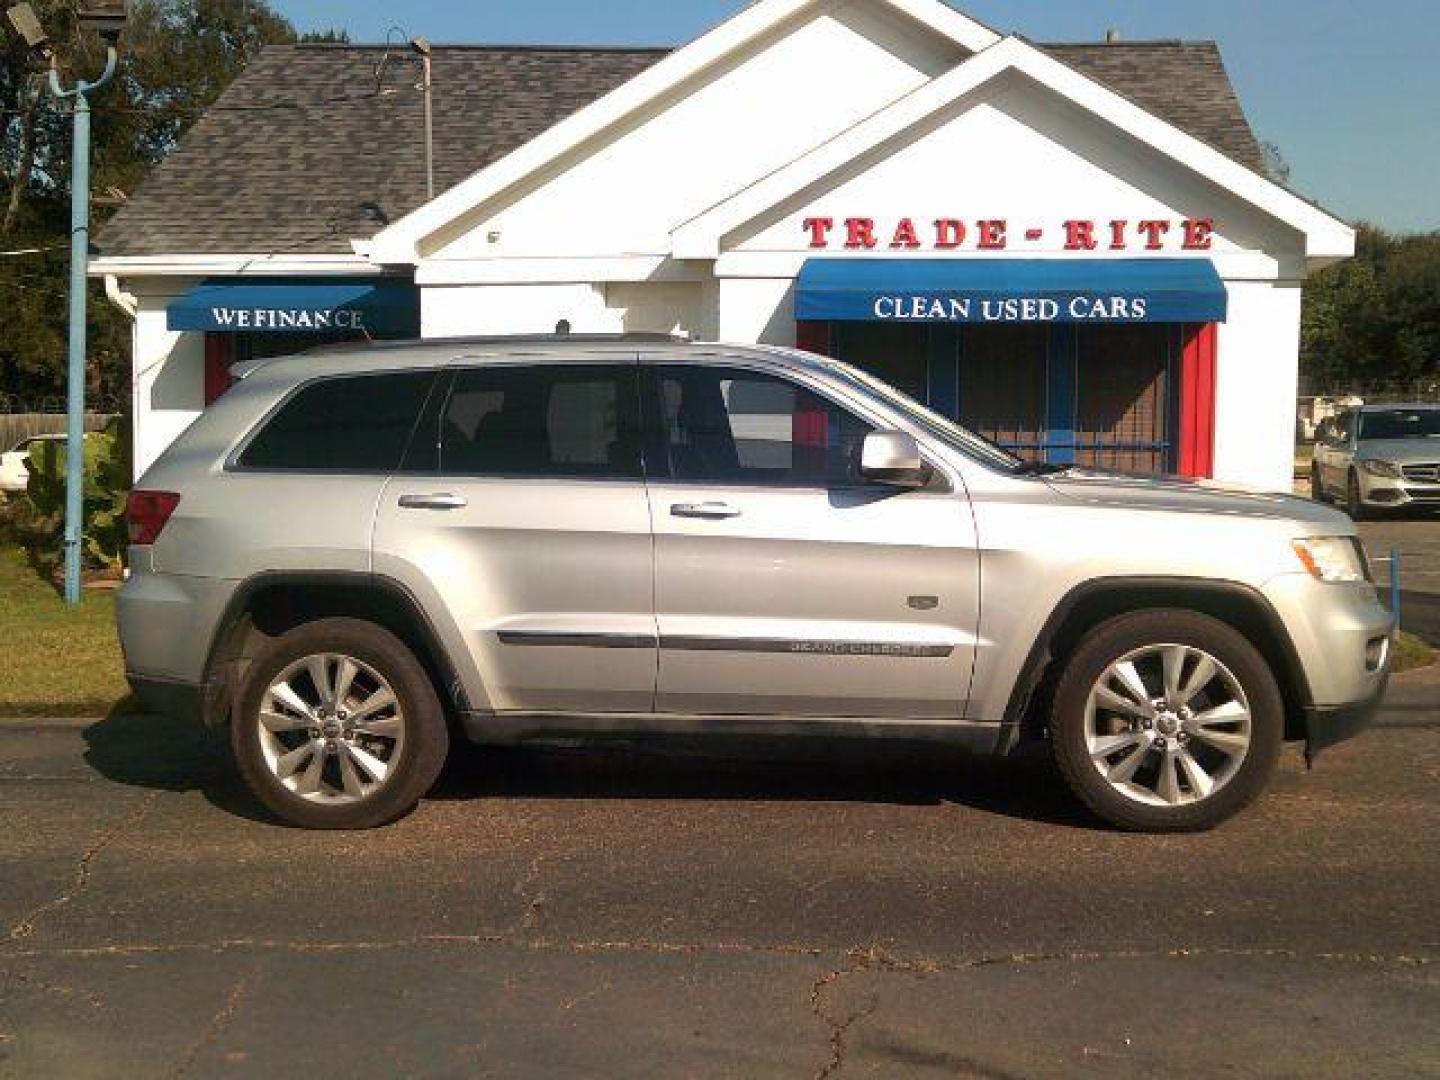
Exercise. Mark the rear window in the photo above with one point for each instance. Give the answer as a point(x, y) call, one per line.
point(356, 423)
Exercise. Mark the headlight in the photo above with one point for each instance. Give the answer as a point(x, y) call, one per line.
point(1387, 469)
point(1333, 558)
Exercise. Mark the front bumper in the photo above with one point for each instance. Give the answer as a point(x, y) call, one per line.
point(1330, 725)
point(1342, 637)
point(1398, 493)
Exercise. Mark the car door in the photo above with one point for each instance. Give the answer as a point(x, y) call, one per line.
point(784, 585)
point(521, 516)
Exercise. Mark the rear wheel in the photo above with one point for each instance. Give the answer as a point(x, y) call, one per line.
point(1166, 721)
point(339, 727)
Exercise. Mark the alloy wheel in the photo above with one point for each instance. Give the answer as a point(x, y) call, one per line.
point(1167, 725)
point(331, 729)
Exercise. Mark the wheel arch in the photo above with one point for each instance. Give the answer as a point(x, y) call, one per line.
point(1093, 602)
point(269, 604)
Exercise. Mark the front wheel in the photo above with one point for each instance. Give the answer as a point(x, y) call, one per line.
point(1167, 721)
point(1354, 504)
point(339, 727)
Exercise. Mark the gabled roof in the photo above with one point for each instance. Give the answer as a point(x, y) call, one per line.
point(306, 151)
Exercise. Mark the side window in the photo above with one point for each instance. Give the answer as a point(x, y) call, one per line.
point(356, 423)
point(558, 420)
point(1343, 424)
point(735, 426)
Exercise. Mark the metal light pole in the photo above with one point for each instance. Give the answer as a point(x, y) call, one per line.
point(108, 18)
point(79, 274)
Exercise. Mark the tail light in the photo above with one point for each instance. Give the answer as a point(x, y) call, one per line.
point(146, 513)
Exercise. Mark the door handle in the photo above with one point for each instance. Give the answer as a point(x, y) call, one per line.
point(439, 501)
point(709, 511)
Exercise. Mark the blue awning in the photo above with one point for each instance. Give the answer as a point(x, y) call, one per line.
point(377, 307)
point(1010, 291)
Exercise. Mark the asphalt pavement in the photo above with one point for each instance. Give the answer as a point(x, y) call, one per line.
point(620, 912)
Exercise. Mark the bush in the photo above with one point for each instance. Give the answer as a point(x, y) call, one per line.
point(38, 520)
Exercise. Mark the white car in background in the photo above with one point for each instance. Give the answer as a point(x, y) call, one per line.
point(14, 465)
point(1379, 457)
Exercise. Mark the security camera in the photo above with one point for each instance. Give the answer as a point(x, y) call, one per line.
point(105, 17)
point(22, 17)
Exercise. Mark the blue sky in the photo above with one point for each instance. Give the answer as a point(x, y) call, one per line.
point(1347, 90)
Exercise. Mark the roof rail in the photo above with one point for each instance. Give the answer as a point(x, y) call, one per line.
point(636, 337)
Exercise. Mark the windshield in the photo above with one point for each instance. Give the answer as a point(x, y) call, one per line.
point(1400, 424)
point(946, 430)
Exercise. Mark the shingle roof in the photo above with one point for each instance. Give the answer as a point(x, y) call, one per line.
point(1184, 82)
point(309, 149)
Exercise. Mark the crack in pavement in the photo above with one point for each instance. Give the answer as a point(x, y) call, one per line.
point(837, 1028)
point(26, 926)
point(228, 1008)
point(873, 957)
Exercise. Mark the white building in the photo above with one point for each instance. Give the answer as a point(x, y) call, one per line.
point(1071, 248)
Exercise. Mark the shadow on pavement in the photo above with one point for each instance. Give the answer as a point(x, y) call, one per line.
point(1026, 787)
point(164, 754)
point(160, 753)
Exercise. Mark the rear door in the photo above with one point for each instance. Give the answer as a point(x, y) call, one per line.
point(784, 585)
point(521, 518)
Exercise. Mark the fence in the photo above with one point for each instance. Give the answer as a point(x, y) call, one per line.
point(17, 426)
point(1390, 393)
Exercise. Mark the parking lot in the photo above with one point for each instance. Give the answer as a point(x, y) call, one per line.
point(1418, 539)
point(615, 913)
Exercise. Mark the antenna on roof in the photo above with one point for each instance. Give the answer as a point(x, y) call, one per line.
point(423, 50)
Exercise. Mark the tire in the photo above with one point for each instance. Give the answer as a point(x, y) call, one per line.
point(1354, 506)
point(1144, 801)
point(1317, 486)
point(407, 736)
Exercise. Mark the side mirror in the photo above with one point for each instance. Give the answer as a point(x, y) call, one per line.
point(893, 457)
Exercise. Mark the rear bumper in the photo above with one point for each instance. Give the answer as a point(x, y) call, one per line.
point(1330, 725)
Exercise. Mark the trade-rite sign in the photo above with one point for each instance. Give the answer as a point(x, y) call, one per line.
point(996, 234)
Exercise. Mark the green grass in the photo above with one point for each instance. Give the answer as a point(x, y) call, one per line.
point(1411, 653)
point(55, 660)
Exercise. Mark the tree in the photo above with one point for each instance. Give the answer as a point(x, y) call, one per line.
point(177, 57)
point(1375, 319)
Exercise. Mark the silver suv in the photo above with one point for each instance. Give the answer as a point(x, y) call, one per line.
point(358, 554)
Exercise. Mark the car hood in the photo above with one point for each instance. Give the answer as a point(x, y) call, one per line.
point(1183, 495)
point(1402, 451)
